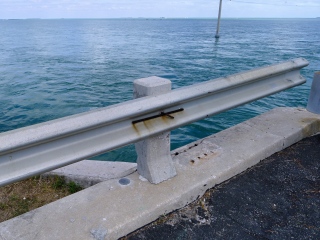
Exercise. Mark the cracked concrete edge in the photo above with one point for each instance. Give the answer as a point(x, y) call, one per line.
point(89, 172)
point(110, 210)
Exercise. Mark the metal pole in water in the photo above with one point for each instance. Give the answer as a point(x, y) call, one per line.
point(219, 16)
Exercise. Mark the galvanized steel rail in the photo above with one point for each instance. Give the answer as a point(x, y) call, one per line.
point(43, 147)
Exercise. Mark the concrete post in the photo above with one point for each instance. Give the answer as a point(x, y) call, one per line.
point(314, 97)
point(219, 17)
point(154, 159)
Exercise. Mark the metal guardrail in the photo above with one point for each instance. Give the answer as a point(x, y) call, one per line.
point(43, 147)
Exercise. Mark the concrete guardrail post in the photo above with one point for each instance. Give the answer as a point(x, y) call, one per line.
point(314, 97)
point(154, 159)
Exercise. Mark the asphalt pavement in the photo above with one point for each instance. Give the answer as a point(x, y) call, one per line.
point(279, 198)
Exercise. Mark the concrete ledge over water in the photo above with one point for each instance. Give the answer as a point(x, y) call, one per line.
point(89, 172)
point(116, 207)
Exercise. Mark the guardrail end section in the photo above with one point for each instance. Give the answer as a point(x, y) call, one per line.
point(154, 158)
point(314, 97)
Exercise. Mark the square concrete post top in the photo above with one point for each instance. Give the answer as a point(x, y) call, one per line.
point(151, 86)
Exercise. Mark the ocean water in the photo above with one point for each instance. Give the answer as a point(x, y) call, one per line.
point(54, 68)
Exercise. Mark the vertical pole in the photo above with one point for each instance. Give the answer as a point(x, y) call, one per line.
point(219, 17)
point(154, 158)
point(314, 97)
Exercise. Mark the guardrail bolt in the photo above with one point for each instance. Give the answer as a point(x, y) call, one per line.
point(154, 158)
point(314, 97)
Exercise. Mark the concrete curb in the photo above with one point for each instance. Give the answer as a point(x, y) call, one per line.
point(116, 207)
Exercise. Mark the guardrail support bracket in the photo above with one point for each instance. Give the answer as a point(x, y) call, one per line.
point(314, 97)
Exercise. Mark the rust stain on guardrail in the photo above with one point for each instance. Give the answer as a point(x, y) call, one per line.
point(152, 121)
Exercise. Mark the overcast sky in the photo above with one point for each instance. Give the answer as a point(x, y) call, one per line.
point(158, 8)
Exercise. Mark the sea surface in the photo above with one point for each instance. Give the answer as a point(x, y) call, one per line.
point(54, 68)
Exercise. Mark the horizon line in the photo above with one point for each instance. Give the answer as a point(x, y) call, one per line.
point(213, 18)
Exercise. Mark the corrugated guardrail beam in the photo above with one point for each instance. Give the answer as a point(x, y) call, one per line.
point(43, 147)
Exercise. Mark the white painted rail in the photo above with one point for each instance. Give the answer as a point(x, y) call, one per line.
point(43, 147)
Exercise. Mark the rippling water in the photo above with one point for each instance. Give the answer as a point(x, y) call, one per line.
point(54, 68)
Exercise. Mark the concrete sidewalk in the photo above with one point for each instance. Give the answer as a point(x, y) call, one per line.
point(278, 198)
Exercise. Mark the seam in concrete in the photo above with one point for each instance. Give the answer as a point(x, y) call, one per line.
point(118, 209)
